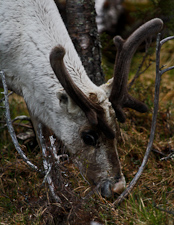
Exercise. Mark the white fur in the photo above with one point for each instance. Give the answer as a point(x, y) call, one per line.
point(29, 30)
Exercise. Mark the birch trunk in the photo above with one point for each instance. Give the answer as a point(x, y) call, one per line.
point(82, 28)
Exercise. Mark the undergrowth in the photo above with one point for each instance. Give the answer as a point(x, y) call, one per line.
point(25, 200)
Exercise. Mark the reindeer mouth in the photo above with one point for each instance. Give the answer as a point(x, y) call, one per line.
point(108, 188)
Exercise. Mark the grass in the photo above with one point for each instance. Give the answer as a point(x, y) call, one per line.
point(25, 200)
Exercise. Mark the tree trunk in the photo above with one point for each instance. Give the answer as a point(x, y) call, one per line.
point(82, 28)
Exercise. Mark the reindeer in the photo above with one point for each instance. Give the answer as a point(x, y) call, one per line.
point(42, 65)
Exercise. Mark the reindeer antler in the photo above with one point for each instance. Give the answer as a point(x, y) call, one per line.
point(93, 111)
point(119, 96)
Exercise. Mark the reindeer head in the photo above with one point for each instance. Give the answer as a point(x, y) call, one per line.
point(93, 144)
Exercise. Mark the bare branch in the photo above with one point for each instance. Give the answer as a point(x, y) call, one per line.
point(10, 127)
point(47, 165)
point(167, 69)
point(166, 39)
point(22, 117)
point(54, 151)
point(161, 43)
point(170, 156)
point(23, 125)
point(8, 95)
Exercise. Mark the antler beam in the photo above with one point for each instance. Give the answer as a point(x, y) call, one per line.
point(119, 96)
point(93, 111)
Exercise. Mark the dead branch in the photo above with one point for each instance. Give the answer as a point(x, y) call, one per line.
point(22, 125)
point(47, 165)
point(54, 151)
point(170, 156)
point(154, 118)
point(8, 95)
point(10, 126)
point(160, 45)
point(22, 117)
point(158, 152)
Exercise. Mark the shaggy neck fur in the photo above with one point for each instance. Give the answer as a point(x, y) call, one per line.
point(29, 35)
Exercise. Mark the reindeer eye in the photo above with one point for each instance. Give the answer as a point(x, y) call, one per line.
point(89, 138)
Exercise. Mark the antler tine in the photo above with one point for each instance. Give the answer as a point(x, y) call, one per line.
point(119, 96)
point(93, 111)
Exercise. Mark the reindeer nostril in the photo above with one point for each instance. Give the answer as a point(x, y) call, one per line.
point(106, 189)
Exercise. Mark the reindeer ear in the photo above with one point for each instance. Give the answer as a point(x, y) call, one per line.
point(67, 103)
point(107, 87)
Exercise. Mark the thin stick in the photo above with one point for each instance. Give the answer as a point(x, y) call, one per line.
point(10, 126)
point(22, 117)
point(167, 69)
point(161, 43)
point(47, 165)
point(23, 125)
point(8, 94)
point(170, 156)
point(166, 39)
point(139, 72)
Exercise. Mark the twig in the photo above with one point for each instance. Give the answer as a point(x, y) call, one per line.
point(163, 210)
point(167, 69)
point(22, 125)
point(46, 175)
point(80, 170)
point(160, 45)
point(93, 191)
point(10, 126)
point(166, 39)
point(170, 156)
point(47, 165)
point(138, 73)
point(22, 117)
point(54, 151)
point(7, 95)
point(154, 118)
point(160, 153)
point(53, 147)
